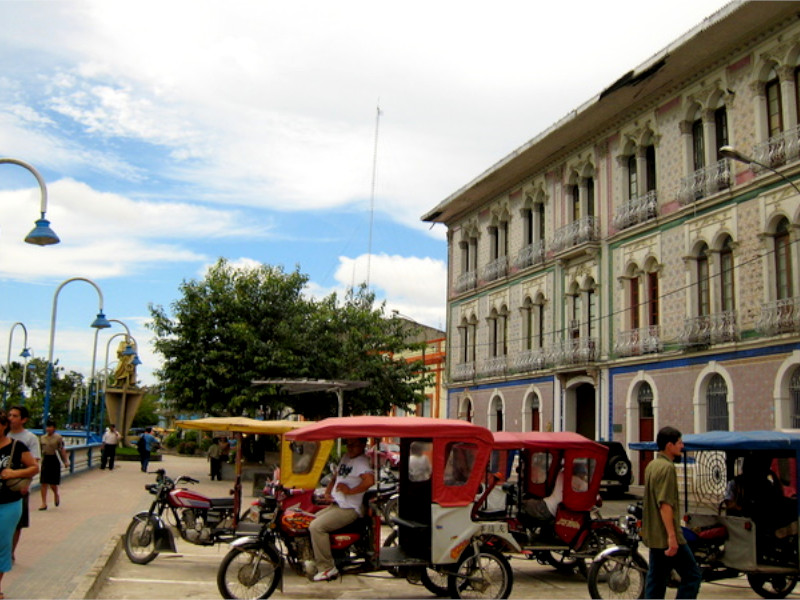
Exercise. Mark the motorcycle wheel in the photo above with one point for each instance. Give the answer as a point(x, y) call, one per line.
point(391, 540)
point(249, 572)
point(389, 511)
point(619, 574)
point(562, 562)
point(771, 586)
point(602, 539)
point(486, 574)
point(140, 539)
point(435, 582)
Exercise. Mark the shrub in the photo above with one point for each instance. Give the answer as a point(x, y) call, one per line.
point(187, 447)
point(171, 440)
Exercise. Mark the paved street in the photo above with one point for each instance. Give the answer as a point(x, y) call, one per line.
point(68, 552)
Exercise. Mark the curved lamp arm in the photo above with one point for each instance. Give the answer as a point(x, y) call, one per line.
point(41, 235)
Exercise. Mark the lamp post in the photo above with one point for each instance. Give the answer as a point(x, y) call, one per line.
point(129, 351)
point(734, 154)
point(41, 234)
point(100, 322)
point(24, 354)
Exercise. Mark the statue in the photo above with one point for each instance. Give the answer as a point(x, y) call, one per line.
point(125, 373)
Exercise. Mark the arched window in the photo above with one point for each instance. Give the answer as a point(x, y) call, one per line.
point(650, 161)
point(644, 397)
point(590, 197)
point(703, 283)
point(633, 180)
point(726, 276)
point(652, 299)
point(721, 127)
point(698, 145)
point(794, 392)
point(496, 414)
point(575, 198)
point(465, 410)
point(634, 301)
point(534, 414)
point(783, 261)
point(772, 91)
point(717, 404)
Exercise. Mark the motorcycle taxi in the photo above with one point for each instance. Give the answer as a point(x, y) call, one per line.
point(436, 534)
point(545, 462)
point(740, 511)
point(198, 519)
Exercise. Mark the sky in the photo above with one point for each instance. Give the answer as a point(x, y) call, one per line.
point(173, 133)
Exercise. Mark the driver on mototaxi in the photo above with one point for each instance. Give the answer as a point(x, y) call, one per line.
point(354, 476)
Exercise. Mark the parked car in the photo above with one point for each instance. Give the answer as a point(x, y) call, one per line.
point(618, 473)
point(388, 455)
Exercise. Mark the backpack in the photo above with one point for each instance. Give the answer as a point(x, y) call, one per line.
point(141, 444)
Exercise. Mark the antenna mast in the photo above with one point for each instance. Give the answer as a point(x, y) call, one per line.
point(372, 195)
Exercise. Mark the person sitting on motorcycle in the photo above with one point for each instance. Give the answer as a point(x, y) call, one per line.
point(354, 476)
point(544, 509)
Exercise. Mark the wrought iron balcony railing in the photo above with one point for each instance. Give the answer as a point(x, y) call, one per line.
point(778, 150)
point(466, 281)
point(583, 230)
point(634, 342)
point(705, 182)
point(530, 255)
point(637, 210)
point(531, 360)
point(710, 329)
point(779, 316)
point(496, 366)
point(463, 371)
point(574, 351)
point(495, 269)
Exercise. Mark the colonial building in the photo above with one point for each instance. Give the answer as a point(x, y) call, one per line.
point(617, 273)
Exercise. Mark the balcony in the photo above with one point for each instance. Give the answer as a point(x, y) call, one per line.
point(578, 232)
point(709, 329)
point(466, 281)
point(464, 371)
point(635, 342)
point(532, 254)
point(779, 316)
point(576, 351)
point(637, 210)
point(530, 360)
point(495, 269)
point(705, 182)
point(495, 366)
point(778, 150)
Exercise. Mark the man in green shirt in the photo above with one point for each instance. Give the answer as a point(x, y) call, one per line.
point(661, 529)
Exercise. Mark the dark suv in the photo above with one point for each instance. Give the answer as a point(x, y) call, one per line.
point(618, 473)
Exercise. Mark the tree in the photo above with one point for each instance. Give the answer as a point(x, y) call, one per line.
point(240, 325)
point(148, 412)
point(63, 387)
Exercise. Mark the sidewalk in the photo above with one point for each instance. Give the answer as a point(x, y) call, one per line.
point(57, 554)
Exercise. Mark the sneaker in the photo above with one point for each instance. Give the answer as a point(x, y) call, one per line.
point(327, 574)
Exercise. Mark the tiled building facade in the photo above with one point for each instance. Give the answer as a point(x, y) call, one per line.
point(617, 273)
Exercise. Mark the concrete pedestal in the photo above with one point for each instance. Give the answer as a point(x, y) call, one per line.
point(121, 406)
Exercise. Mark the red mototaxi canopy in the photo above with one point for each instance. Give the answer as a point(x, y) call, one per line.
point(443, 432)
point(545, 440)
point(379, 426)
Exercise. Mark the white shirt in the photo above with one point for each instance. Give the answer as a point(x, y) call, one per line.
point(111, 437)
point(30, 440)
point(349, 472)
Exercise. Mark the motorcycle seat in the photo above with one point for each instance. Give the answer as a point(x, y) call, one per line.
point(221, 502)
point(493, 515)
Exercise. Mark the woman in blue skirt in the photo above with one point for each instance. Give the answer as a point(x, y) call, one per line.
point(20, 464)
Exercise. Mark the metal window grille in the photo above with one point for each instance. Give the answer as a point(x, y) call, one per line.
point(717, 404)
point(645, 398)
point(794, 390)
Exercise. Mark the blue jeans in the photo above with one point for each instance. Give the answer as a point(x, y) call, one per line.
point(662, 565)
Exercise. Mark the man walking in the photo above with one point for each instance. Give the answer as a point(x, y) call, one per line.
point(661, 530)
point(109, 451)
point(17, 418)
point(146, 444)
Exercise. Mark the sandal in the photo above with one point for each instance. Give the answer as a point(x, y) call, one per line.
point(58, 500)
point(40, 508)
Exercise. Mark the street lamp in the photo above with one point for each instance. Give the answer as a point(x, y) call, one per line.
point(734, 154)
point(129, 351)
point(24, 354)
point(41, 234)
point(100, 322)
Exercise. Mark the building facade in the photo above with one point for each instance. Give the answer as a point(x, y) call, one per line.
point(617, 273)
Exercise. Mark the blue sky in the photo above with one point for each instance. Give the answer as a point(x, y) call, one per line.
point(173, 133)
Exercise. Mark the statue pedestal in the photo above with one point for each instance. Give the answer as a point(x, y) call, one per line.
point(121, 406)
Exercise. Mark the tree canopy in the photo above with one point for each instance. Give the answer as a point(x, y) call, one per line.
point(238, 325)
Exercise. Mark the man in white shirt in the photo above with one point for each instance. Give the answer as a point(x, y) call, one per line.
point(109, 451)
point(354, 476)
point(17, 418)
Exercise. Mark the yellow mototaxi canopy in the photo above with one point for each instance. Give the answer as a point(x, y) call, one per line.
point(245, 425)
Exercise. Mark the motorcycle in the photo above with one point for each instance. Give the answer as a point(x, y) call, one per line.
point(199, 520)
point(725, 545)
point(578, 531)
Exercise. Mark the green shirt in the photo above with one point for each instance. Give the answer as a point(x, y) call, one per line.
point(660, 486)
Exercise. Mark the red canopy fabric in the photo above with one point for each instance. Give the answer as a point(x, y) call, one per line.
point(545, 440)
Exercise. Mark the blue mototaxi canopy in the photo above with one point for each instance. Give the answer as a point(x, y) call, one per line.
point(732, 440)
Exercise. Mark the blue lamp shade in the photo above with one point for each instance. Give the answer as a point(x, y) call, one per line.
point(42, 235)
point(128, 351)
point(101, 322)
point(25, 353)
point(136, 361)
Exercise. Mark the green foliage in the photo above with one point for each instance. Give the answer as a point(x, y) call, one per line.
point(171, 440)
point(148, 411)
point(241, 325)
point(63, 386)
point(187, 447)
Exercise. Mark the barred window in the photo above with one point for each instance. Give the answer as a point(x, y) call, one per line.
point(717, 404)
point(645, 399)
point(794, 391)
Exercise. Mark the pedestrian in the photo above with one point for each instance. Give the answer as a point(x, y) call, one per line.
point(146, 444)
point(214, 460)
point(52, 447)
point(18, 418)
point(661, 530)
point(345, 490)
point(21, 464)
point(109, 452)
point(224, 449)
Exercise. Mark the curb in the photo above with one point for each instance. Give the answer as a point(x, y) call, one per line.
point(92, 580)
